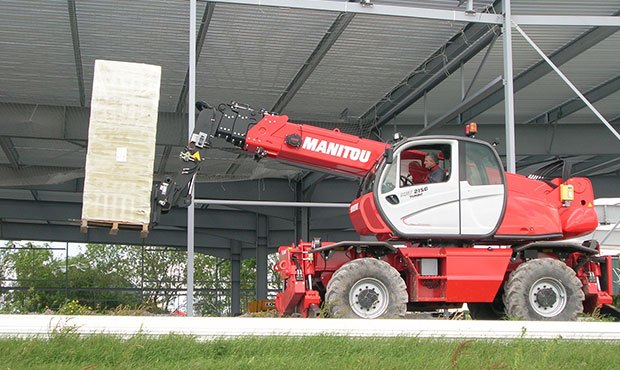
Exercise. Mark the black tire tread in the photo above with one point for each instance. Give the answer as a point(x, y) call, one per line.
point(484, 311)
point(518, 284)
point(337, 291)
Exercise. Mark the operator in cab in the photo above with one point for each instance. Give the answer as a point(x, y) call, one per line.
point(436, 173)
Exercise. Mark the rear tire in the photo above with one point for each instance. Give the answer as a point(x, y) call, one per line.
point(366, 288)
point(486, 311)
point(543, 289)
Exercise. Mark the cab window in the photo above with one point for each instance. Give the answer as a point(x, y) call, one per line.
point(422, 164)
point(481, 166)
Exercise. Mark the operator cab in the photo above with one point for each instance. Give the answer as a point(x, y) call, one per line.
point(467, 204)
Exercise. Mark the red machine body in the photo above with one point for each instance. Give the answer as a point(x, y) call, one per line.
point(275, 137)
point(478, 237)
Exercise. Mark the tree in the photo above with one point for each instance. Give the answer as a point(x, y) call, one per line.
point(33, 274)
point(105, 276)
point(164, 272)
point(213, 284)
point(100, 288)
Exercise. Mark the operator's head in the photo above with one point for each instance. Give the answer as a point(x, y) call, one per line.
point(430, 160)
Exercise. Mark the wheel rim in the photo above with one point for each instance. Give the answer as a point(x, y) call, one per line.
point(547, 297)
point(369, 298)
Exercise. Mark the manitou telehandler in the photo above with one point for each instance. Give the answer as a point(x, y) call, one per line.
point(492, 239)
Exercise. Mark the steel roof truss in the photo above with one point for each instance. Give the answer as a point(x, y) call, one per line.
point(573, 105)
point(568, 82)
point(455, 113)
point(582, 43)
point(9, 150)
point(413, 87)
point(77, 53)
point(200, 39)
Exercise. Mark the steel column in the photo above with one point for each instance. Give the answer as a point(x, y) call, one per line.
point(191, 98)
point(509, 108)
point(235, 277)
point(262, 231)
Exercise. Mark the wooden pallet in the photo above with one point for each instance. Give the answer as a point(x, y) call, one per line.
point(114, 226)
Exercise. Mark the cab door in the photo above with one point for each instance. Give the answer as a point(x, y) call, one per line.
point(482, 187)
point(415, 209)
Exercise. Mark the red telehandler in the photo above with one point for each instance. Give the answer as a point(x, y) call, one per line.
point(492, 239)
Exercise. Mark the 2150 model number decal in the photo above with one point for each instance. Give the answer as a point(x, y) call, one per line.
point(416, 192)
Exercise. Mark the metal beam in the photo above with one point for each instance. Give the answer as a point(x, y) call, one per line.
point(311, 179)
point(328, 40)
point(582, 43)
point(263, 203)
point(573, 105)
point(161, 169)
point(610, 169)
point(376, 9)
point(573, 139)
point(207, 219)
point(482, 62)
point(566, 20)
point(200, 39)
point(459, 49)
point(53, 124)
point(46, 232)
point(9, 151)
point(37, 175)
point(77, 53)
point(592, 169)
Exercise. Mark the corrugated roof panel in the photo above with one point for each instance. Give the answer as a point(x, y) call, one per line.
point(530, 101)
point(252, 53)
point(36, 53)
point(589, 69)
point(140, 31)
point(371, 57)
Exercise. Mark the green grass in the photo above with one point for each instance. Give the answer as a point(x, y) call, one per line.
point(67, 350)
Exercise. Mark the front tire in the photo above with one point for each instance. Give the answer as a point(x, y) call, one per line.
point(544, 289)
point(366, 288)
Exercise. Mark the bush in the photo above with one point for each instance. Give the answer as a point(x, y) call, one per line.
point(74, 307)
